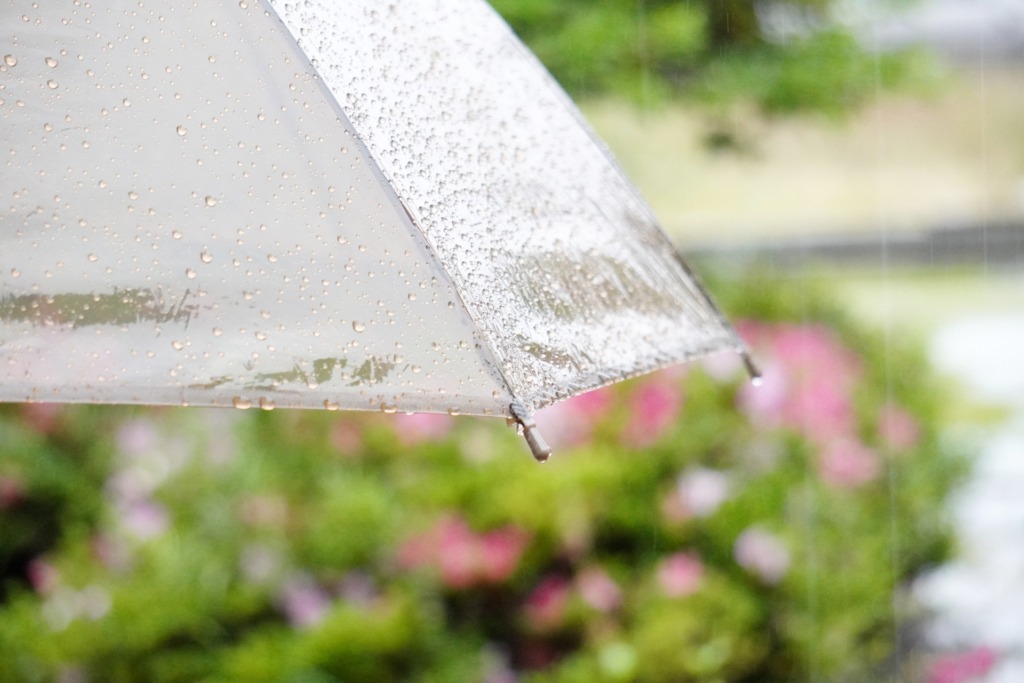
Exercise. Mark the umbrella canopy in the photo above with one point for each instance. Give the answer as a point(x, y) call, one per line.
point(358, 205)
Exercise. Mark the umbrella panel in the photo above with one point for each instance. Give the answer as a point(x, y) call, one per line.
point(191, 220)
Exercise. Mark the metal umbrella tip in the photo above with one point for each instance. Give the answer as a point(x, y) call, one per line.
point(755, 372)
point(524, 419)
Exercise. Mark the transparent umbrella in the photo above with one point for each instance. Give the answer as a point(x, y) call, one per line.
point(354, 205)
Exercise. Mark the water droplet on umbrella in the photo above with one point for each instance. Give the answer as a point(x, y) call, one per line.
point(132, 194)
point(176, 234)
point(217, 332)
point(190, 274)
point(266, 403)
point(177, 345)
point(10, 60)
point(93, 257)
point(51, 84)
point(15, 272)
point(358, 326)
point(454, 412)
point(50, 62)
point(126, 102)
point(389, 408)
point(211, 200)
point(182, 130)
point(330, 405)
point(262, 336)
point(342, 239)
point(205, 257)
point(241, 403)
point(272, 258)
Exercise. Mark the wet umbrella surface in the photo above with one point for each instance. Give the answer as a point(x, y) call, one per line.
point(353, 205)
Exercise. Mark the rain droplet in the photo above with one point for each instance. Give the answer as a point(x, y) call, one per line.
point(342, 239)
point(182, 130)
point(51, 62)
point(205, 257)
point(454, 412)
point(15, 272)
point(10, 60)
point(176, 234)
point(51, 84)
point(358, 326)
point(126, 102)
point(262, 336)
point(177, 345)
point(265, 315)
point(241, 403)
point(266, 403)
point(389, 408)
point(93, 257)
point(272, 258)
point(132, 194)
point(217, 332)
point(211, 200)
point(190, 274)
point(330, 405)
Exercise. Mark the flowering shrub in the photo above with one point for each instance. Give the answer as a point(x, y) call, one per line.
point(690, 528)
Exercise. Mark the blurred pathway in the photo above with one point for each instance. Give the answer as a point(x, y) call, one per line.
point(978, 600)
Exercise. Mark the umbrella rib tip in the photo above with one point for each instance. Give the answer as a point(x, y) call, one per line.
point(752, 369)
point(524, 419)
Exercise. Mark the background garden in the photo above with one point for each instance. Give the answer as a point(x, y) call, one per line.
point(690, 528)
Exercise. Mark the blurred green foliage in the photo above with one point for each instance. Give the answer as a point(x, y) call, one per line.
point(713, 51)
point(689, 528)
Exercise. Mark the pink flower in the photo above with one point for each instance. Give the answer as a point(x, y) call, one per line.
point(303, 602)
point(962, 667)
point(762, 554)
point(43, 576)
point(598, 589)
point(653, 408)
point(897, 428)
point(847, 464)
point(765, 403)
point(457, 554)
point(11, 491)
point(701, 491)
point(145, 519)
point(420, 427)
point(808, 380)
point(138, 437)
point(462, 557)
point(821, 410)
point(358, 588)
point(42, 418)
point(500, 551)
point(680, 574)
point(347, 438)
point(546, 605)
point(571, 423)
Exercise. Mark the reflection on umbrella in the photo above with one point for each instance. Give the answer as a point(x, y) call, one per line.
point(348, 205)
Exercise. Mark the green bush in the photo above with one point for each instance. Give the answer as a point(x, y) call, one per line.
point(710, 50)
point(690, 528)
